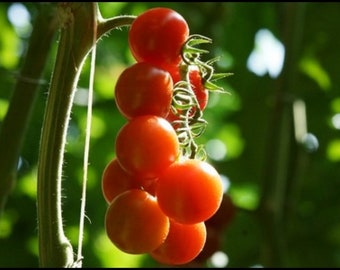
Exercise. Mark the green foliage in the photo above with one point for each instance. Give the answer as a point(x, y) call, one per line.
point(287, 197)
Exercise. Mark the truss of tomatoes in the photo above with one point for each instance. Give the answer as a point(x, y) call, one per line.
point(158, 199)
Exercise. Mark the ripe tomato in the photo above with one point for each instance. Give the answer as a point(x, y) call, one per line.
point(157, 36)
point(202, 94)
point(182, 245)
point(115, 180)
point(189, 191)
point(134, 222)
point(143, 89)
point(146, 146)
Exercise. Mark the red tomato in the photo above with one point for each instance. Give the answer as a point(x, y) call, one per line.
point(134, 222)
point(157, 36)
point(190, 191)
point(202, 94)
point(144, 89)
point(115, 180)
point(146, 146)
point(182, 245)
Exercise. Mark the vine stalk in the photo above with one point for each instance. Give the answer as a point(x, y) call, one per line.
point(80, 26)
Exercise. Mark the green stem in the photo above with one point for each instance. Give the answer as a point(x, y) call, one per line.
point(76, 39)
point(81, 26)
point(16, 121)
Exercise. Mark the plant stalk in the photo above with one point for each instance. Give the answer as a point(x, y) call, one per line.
point(81, 26)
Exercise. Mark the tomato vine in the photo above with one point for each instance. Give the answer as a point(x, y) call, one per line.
point(162, 96)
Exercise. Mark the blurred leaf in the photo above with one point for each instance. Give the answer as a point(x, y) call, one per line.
point(312, 68)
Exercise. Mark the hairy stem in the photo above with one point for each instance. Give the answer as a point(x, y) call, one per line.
point(78, 25)
point(81, 27)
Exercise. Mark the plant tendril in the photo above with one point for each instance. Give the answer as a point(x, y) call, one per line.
point(190, 124)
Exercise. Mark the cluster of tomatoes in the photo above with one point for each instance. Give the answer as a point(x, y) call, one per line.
point(158, 198)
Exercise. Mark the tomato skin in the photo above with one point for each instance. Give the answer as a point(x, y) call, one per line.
point(143, 89)
point(202, 94)
point(182, 245)
point(190, 191)
point(134, 222)
point(146, 146)
point(157, 36)
point(115, 181)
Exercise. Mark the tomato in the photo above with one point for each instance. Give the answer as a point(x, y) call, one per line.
point(143, 89)
point(189, 191)
point(202, 94)
point(157, 36)
point(134, 222)
point(115, 180)
point(182, 245)
point(146, 146)
point(149, 185)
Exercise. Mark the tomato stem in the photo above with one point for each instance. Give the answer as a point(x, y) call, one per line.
point(185, 105)
point(190, 123)
point(78, 32)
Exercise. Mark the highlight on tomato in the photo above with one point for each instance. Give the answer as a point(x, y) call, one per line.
point(134, 222)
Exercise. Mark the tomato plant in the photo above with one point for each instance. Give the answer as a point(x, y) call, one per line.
point(143, 89)
point(190, 191)
point(157, 36)
point(182, 245)
point(197, 86)
point(146, 146)
point(135, 223)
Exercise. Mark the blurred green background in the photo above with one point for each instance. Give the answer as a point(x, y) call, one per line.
point(275, 138)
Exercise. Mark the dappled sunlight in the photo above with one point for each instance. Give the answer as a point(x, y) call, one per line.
point(333, 150)
point(245, 196)
point(267, 56)
point(216, 149)
point(112, 256)
point(20, 18)
point(218, 260)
